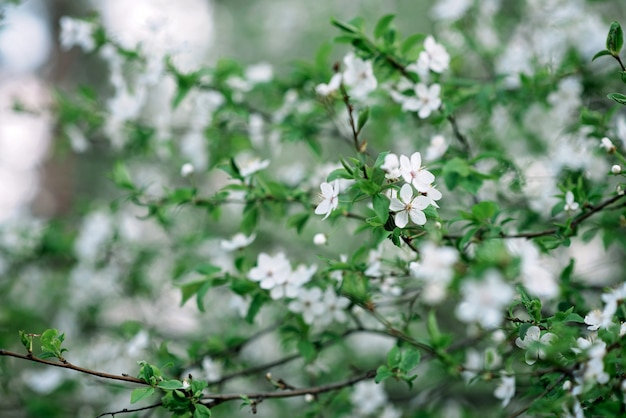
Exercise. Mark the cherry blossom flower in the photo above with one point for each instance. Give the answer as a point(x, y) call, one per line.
point(359, 76)
point(309, 304)
point(435, 269)
point(433, 194)
point(320, 239)
point(270, 271)
point(483, 301)
point(408, 207)
point(289, 288)
point(367, 397)
point(391, 166)
point(249, 166)
point(426, 100)
point(330, 200)
point(434, 57)
point(616, 169)
point(334, 307)
point(437, 148)
point(505, 390)
point(570, 204)
point(413, 173)
point(332, 86)
point(607, 144)
point(532, 342)
point(237, 242)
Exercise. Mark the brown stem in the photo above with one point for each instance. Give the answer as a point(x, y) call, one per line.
point(68, 365)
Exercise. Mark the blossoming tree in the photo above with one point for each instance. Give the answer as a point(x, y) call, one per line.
point(392, 234)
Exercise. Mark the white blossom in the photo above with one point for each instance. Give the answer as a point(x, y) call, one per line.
point(367, 397)
point(186, 170)
point(484, 300)
point(533, 342)
point(435, 269)
point(616, 169)
point(391, 166)
point(330, 198)
point(505, 390)
point(77, 32)
point(607, 145)
point(570, 204)
point(434, 57)
point(408, 207)
point(413, 173)
point(270, 271)
point(359, 76)
point(238, 241)
point(425, 102)
point(334, 307)
point(320, 239)
point(309, 303)
point(332, 86)
point(437, 148)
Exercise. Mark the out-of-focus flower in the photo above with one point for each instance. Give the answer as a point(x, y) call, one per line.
point(309, 303)
point(505, 390)
point(332, 86)
point(437, 148)
point(483, 301)
point(237, 242)
point(607, 144)
point(391, 166)
point(359, 76)
point(367, 397)
point(570, 204)
point(427, 100)
point(532, 342)
point(77, 32)
point(434, 57)
point(186, 170)
point(320, 239)
point(616, 169)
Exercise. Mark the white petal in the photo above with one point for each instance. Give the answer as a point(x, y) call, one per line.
point(401, 219)
point(396, 206)
point(406, 193)
point(417, 216)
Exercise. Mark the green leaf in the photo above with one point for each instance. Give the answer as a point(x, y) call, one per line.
point(51, 341)
point(307, 350)
point(381, 207)
point(190, 289)
point(340, 173)
point(615, 38)
point(27, 341)
point(250, 219)
point(412, 42)
point(298, 221)
point(363, 118)
point(201, 411)
point(346, 27)
point(619, 98)
point(393, 357)
point(484, 211)
point(382, 25)
point(410, 359)
point(601, 54)
point(140, 393)
point(383, 373)
point(120, 176)
point(207, 269)
point(255, 306)
point(170, 384)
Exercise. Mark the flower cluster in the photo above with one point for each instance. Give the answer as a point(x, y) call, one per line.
point(276, 275)
point(410, 205)
point(424, 99)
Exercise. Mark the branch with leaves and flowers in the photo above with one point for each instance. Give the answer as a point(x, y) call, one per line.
point(410, 230)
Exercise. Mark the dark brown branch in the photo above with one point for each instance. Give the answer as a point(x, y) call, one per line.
point(128, 411)
point(68, 365)
point(575, 223)
point(221, 398)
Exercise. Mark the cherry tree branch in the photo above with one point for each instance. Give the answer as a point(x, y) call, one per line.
point(67, 365)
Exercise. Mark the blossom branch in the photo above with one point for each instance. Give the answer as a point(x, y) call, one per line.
point(67, 365)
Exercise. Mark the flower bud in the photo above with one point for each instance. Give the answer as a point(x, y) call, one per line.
point(187, 169)
point(616, 169)
point(320, 239)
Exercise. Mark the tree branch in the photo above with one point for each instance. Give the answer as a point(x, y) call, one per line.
point(67, 365)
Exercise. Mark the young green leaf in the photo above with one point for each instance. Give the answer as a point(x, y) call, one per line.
point(140, 393)
point(201, 411)
point(615, 38)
